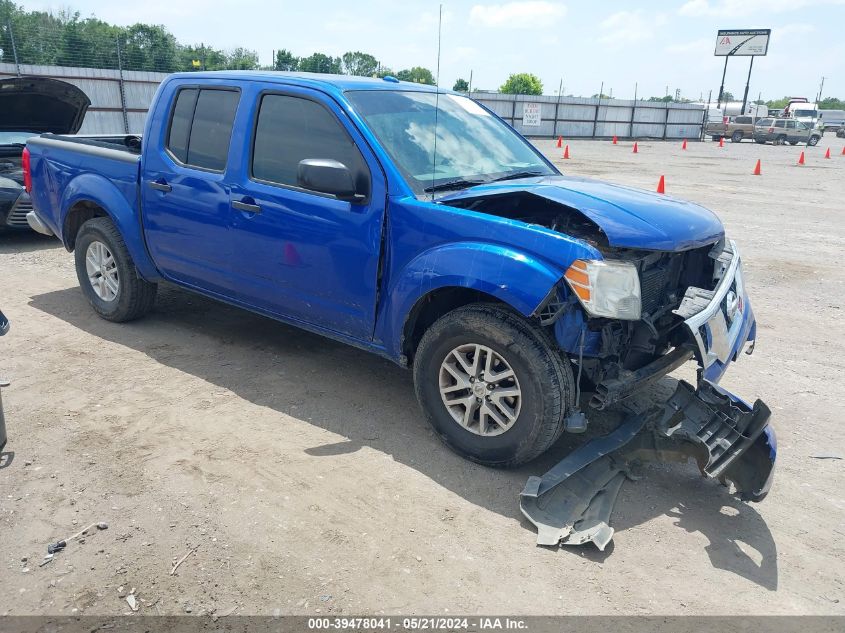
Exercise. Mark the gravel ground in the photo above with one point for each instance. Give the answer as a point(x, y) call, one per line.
point(301, 477)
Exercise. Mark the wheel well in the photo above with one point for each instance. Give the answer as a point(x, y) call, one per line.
point(433, 306)
point(78, 215)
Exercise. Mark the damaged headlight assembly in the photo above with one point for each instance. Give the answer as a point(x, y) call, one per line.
point(606, 288)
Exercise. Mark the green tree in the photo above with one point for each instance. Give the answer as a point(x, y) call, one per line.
point(417, 74)
point(461, 85)
point(666, 99)
point(209, 58)
point(241, 59)
point(600, 96)
point(359, 64)
point(149, 47)
point(728, 96)
point(832, 103)
point(285, 60)
point(522, 84)
point(320, 63)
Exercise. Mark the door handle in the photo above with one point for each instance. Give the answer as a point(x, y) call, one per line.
point(245, 206)
point(160, 186)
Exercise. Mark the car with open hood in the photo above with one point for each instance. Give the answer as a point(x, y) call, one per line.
point(31, 106)
point(414, 223)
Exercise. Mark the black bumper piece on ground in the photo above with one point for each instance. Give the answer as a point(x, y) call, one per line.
point(572, 503)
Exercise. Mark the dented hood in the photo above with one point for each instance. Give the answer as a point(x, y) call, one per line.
point(40, 104)
point(630, 218)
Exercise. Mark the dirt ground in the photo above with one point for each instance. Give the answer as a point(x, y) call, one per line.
point(303, 478)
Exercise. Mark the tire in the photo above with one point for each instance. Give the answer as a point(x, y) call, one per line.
point(541, 375)
point(813, 141)
point(736, 137)
point(761, 141)
point(132, 297)
point(793, 142)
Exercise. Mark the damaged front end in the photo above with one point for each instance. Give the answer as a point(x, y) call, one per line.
point(730, 440)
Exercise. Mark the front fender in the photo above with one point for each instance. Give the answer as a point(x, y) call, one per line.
point(516, 278)
point(113, 198)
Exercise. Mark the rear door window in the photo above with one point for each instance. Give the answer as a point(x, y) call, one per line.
point(780, 123)
point(201, 127)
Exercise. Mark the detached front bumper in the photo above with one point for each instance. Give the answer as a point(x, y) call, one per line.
point(730, 440)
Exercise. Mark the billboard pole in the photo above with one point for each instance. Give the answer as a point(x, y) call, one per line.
point(747, 82)
point(722, 87)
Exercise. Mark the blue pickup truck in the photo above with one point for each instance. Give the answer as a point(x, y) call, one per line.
point(414, 223)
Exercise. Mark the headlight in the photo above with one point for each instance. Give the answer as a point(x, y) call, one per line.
point(606, 288)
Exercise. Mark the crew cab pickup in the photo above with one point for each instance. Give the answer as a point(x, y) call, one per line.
point(414, 223)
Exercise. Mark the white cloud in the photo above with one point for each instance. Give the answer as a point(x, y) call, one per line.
point(530, 14)
point(628, 27)
point(698, 46)
point(743, 8)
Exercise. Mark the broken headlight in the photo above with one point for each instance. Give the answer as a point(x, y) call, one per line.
point(606, 288)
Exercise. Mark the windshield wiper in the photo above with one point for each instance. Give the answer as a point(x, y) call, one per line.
point(518, 174)
point(458, 183)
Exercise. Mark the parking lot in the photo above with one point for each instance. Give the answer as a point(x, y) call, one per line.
point(300, 477)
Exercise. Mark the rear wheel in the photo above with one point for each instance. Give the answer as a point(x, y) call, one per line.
point(793, 142)
point(107, 274)
point(492, 385)
point(736, 137)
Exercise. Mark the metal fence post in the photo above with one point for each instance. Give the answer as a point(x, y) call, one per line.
point(14, 46)
point(666, 122)
point(122, 88)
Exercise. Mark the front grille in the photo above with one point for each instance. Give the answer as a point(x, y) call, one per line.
point(17, 216)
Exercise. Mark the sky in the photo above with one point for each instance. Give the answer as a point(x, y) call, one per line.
point(652, 44)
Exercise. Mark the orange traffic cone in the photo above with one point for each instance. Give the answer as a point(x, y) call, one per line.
point(843, 151)
point(827, 153)
point(756, 171)
point(614, 141)
point(635, 148)
point(721, 141)
point(684, 144)
point(566, 152)
point(801, 159)
point(661, 185)
point(560, 141)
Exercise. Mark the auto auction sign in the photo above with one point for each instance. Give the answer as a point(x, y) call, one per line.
point(531, 115)
point(746, 42)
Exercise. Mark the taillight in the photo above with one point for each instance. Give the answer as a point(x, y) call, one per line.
point(771, 129)
point(27, 176)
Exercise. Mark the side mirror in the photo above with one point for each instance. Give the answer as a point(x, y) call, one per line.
point(325, 175)
point(4, 324)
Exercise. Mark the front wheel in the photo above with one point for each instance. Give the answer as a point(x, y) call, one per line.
point(107, 274)
point(813, 141)
point(492, 385)
point(736, 137)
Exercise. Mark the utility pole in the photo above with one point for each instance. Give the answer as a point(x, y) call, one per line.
point(818, 96)
point(14, 47)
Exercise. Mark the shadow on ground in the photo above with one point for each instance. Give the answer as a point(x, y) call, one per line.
point(25, 242)
point(370, 401)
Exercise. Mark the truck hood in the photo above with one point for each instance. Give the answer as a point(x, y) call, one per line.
point(39, 104)
point(628, 217)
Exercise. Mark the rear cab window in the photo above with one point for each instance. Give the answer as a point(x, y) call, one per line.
point(201, 127)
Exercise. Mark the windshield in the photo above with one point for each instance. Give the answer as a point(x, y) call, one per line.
point(804, 113)
point(473, 146)
point(15, 138)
